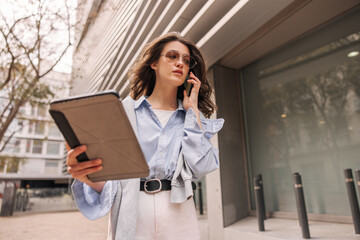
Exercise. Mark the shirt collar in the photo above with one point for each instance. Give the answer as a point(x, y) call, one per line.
point(140, 101)
point(143, 100)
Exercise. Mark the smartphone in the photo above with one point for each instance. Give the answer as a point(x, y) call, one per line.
point(188, 86)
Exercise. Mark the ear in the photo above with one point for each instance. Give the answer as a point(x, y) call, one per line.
point(154, 66)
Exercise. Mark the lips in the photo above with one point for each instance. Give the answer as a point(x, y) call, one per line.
point(178, 71)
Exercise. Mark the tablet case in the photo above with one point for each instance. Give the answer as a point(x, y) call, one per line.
point(99, 121)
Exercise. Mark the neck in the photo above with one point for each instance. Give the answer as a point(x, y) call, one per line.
point(163, 99)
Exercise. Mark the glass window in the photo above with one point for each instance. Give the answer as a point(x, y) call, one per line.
point(12, 164)
point(33, 109)
point(54, 130)
point(9, 164)
point(53, 148)
point(16, 147)
point(51, 163)
point(39, 127)
point(2, 165)
point(13, 145)
point(41, 110)
point(22, 110)
point(31, 127)
point(37, 146)
point(52, 167)
point(302, 113)
point(28, 145)
point(20, 124)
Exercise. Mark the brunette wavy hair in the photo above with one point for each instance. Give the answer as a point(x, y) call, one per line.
point(142, 76)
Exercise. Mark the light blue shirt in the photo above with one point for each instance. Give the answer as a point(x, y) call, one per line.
point(161, 147)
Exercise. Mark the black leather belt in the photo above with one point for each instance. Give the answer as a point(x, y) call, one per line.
point(157, 185)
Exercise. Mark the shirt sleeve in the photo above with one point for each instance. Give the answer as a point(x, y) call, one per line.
point(201, 156)
point(92, 204)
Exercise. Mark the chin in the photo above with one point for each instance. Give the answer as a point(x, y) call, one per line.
point(177, 81)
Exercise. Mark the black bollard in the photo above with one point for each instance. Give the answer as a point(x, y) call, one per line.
point(297, 202)
point(352, 199)
point(259, 211)
point(8, 201)
point(200, 199)
point(357, 174)
point(262, 198)
point(300, 201)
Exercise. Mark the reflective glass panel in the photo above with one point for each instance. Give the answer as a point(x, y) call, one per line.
point(303, 115)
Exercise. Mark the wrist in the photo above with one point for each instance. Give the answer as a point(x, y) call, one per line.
point(97, 186)
point(195, 110)
point(197, 115)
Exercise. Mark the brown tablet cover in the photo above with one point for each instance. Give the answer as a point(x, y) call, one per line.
point(99, 121)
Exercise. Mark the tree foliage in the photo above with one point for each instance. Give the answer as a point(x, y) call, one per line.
point(34, 36)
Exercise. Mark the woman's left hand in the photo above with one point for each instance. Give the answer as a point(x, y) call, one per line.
point(192, 100)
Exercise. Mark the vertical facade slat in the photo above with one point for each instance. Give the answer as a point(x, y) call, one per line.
point(121, 29)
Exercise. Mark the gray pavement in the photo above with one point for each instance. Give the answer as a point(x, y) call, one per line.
point(72, 225)
point(289, 229)
point(52, 226)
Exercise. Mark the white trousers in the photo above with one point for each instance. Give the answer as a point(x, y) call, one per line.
point(160, 219)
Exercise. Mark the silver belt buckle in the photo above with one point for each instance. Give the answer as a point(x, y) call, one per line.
point(153, 191)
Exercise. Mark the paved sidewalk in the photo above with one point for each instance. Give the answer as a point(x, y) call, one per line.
point(289, 229)
point(73, 226)
point(52, 226)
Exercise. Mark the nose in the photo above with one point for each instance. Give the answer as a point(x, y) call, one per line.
point(179, 63)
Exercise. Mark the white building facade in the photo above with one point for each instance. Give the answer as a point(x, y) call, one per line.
point(37, 143)
point(34, 156)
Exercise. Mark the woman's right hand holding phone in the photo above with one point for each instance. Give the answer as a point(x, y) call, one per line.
point(80, 170)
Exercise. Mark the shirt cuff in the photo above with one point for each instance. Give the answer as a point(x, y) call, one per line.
point(88, 194)
point(210, 127)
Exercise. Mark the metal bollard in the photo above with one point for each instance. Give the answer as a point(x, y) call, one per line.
point(297, 203)
point(200, 199)
point(8, 200)
point(352, 199)
point(357, 174)
point(259, 211)
point(300, 201)
point(262, 198)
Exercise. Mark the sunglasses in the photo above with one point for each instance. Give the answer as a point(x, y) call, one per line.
point(173, 56)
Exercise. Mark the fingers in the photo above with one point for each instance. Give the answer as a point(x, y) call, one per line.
point(84, 168)
point(192, 100)
point(86, 164)
point(83, 173)
point(73, 153)
point(195, 81)
point(80, 170)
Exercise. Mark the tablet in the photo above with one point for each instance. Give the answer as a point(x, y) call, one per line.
point(99, 121)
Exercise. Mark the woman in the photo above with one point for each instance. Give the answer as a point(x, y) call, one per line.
point(174, 136)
